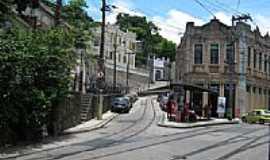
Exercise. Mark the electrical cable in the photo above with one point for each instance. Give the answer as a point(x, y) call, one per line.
point(232, 9)
point(238, 4)
point(203, 6)
point(150, 14)
point(217, 6)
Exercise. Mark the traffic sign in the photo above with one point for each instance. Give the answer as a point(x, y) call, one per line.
point(100, 75)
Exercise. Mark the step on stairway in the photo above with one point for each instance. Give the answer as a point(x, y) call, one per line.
point(86, 101)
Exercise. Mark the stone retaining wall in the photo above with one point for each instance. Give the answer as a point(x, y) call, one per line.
point(68, 113)
point(135, 81)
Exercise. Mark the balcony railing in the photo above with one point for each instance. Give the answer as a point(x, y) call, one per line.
point(198, 68)
point(213, 68)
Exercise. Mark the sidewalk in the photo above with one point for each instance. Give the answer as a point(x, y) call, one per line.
point(70, 137)
point(91, 125)
point(165, 123)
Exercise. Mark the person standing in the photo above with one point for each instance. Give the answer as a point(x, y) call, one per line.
point(170, 106)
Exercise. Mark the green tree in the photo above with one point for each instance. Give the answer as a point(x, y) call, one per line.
point(147, 32)
point(75, 14)
point(164, 47)
point(35, 75)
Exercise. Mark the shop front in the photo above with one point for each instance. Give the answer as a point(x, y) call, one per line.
point(194, 101)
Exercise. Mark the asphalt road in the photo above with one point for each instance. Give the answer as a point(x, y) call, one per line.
point(136, 136)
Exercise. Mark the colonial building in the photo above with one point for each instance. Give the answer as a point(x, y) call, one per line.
point(202, 58)
point(125, 46)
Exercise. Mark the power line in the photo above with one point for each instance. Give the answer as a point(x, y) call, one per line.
point(150, 14)
point(238, 4)
point(203, 6)
point(153, 14)
point(232, 9)
point(218, 6)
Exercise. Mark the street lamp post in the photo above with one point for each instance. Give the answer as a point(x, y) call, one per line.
point(150, 64)
point(114, 60)
point(127, 89)
point(80, 84)
point(231, 63)
point(127, 78)
point(58, 12)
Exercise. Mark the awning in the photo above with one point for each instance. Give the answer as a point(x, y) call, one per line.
point(192, 87)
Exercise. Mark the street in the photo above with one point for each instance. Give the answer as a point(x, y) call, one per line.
point(136, 136)
point(191, 78)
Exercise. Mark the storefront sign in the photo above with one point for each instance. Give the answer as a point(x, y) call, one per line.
point(221, 105)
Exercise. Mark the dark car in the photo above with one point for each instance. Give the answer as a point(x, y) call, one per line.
point(129, 101)
point(120, 105)
point(161, 95)
point(132, 97)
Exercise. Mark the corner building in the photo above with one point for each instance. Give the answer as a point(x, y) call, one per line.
point(202, 58)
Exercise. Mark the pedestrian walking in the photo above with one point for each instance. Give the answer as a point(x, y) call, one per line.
point(209, 111)
point(170, 106)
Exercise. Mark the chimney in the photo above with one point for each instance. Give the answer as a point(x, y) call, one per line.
point(189, 26)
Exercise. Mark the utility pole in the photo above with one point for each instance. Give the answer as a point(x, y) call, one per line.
point(34, 6)
point(58, 12)
point(150, 70)
point(127, 58)
point(101, 67)
point(231, 64)
point(269, 143)
point(169, 70)
point(127, 91)
point(114, 60)
point(128, 62)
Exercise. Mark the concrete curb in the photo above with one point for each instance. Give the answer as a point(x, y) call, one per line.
point(162, 123)
point(98, 126)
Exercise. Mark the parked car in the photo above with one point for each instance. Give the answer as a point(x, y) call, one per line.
point(257, 116)
point(133, 97)
point(129, 101)
point(120, 105)
point(160, 95)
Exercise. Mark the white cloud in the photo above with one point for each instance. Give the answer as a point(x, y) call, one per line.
point(262, 22)
point(123, 6)
point(175, 21)
point(173, 25)
point(224, 18)
point(92, 9)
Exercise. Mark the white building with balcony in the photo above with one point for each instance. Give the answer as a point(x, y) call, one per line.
point(125, 43)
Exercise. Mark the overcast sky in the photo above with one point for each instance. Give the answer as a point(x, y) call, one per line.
point(171, 15)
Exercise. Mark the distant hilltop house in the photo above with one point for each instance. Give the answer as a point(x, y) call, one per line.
point(161, 69)
point(202, 59)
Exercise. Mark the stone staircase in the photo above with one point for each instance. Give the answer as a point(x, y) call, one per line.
point(86, 102)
